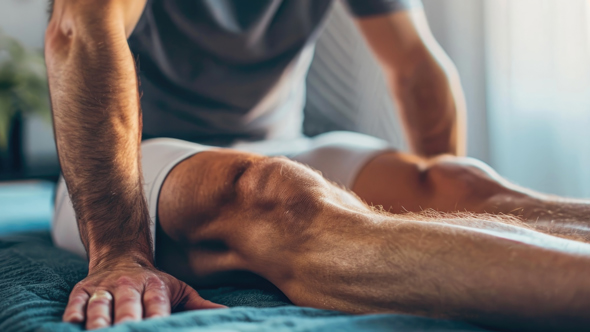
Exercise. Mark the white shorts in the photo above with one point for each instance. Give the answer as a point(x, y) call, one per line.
point(339, 156)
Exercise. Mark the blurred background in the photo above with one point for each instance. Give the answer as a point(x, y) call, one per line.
point(524, 64)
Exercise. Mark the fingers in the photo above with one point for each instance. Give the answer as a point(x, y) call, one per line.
point(156, 301)
point(76, 310)
point(193, 301)
point(127, 305)
point(98, 311)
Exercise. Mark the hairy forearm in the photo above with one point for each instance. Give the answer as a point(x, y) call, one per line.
point(432, 107)
point(97, 122)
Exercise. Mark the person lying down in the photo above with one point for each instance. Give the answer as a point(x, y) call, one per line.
point(225, 182)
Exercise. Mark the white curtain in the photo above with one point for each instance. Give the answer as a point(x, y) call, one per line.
point(538, 70)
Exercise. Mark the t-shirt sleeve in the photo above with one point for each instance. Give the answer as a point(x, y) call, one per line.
point(363, 8)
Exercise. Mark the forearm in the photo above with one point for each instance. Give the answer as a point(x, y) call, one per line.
point(432, 106)
point(96, 113)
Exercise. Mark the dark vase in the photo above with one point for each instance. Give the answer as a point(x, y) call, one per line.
point(12, 159)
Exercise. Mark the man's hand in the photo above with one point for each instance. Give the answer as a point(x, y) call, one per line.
point(97, 116)
point(127, 291)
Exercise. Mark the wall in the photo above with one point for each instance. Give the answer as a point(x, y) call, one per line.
point(539, 93)
point(26, 20)
point(459, 27)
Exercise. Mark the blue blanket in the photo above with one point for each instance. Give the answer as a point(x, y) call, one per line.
point(36, 278)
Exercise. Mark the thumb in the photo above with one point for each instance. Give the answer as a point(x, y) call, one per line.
point(193, 301)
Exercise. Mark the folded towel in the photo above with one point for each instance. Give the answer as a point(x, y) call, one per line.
point(36, 279)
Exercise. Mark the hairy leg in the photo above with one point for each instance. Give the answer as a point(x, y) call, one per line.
point(227, 211)
point(406, 183)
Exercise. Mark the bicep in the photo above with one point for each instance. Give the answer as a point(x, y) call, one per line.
point(400, 40)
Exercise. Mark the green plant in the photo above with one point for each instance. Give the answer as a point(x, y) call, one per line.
point(23, 84)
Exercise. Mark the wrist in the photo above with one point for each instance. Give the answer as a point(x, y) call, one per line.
point(132, 244)
point(113, 255)
point(135, 259)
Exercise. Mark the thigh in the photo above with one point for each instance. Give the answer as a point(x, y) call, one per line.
point(399, 182)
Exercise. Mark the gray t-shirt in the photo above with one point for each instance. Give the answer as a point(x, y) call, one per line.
point(218, 71)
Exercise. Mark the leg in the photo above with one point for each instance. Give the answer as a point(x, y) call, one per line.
point(227, 211)
point(400, 182)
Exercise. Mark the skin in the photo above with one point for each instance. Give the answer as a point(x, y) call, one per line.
point(324, 248)
point(423, 80)
point(96, 110)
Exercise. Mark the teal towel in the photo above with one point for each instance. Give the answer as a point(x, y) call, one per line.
point(36, 279)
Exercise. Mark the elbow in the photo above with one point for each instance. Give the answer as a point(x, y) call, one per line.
point(82, 20)
point(57, 37)
point(61, 28)
point(57, 45)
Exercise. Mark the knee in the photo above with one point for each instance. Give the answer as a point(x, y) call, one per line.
point(199, 190)
point(461, 178)
point(281, 186)
point(251, 192)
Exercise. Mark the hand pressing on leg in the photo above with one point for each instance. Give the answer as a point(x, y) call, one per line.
point(124, 291)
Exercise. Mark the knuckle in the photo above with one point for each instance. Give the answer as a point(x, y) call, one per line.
point(155, 298)
point(77, 299)
point(126, 300)
point(73, 317)
point(125, 281)
point(71, 313)
point(98, 302)
point(79, 287)
point(154, 282)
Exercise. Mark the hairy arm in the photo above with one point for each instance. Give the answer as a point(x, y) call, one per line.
point(97, 118)
point(423, 81)
point(97, 126)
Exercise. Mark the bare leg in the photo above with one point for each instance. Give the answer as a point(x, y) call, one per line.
point(400, 183)
point(230, 211)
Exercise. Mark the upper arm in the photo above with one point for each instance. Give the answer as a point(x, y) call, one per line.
point(401, 41)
